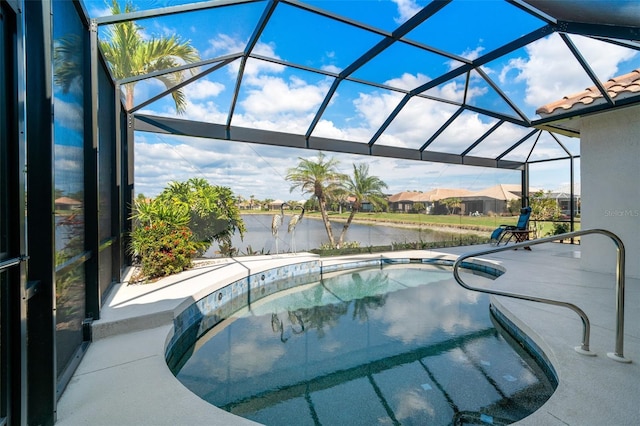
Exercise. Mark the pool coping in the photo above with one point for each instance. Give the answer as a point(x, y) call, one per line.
point(124, 379)
point(193, 321)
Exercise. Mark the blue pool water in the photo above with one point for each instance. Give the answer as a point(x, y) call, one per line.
point(399, 345)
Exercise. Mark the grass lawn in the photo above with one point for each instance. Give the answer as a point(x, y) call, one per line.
point(480, 223)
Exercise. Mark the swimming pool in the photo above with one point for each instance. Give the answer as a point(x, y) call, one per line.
point(403, 344)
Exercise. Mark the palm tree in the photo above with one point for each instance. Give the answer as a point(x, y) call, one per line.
point(129, 54)
point(452, 204)
point(362, 187)
point(67, 62)
point(318, 178)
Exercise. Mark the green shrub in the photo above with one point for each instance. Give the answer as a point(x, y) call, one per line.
point(559, 228)
point(163, 249)
point(345, 245)
point(180, 223)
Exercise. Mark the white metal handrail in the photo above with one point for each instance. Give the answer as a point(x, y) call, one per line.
point(620, 273)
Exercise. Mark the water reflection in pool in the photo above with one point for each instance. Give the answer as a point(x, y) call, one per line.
point(399, 345)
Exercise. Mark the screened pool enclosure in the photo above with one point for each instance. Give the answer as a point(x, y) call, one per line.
point(457, 82)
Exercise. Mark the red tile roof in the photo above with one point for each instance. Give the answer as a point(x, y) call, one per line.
point(67, 200)
point(616, 87)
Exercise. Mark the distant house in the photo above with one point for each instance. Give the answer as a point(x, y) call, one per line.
point(437, 196)
point(365, 205)
point(492, 200)
point(275, 205)
point(66, 203)
point(405, 201)
point(249, 205)
point(563, 199)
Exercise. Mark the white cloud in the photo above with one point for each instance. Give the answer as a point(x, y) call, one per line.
point(465, 130)
point(202, 89)
point(273, 100)
point(603, 57)
point(332, 68)
point(500, 140)
point(548, 75)
point(255, 68)
point(68, 114)
point(452, 91)
point(419, 119)
point(376, 107)
point(241, 364)
point(439, 306)
point(328, 129)
point(471, 54)
point(245, 168)
point(224, 44)
point(406, 9)
point(164, 30)
point(69, 167)
point(260, 170)
point(273, 103)
point(202, 111)
point(408, 81)
point(68, 159)
point(95, 11)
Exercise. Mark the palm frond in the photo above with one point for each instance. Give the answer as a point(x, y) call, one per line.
point(129, 54)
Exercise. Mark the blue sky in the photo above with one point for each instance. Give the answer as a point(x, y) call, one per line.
point(281, 98)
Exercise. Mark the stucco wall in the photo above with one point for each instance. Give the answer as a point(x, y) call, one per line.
point(610, 182)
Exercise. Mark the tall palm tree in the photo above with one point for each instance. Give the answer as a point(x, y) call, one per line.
point(362, 187)
point(318, 178)
point(129, 54)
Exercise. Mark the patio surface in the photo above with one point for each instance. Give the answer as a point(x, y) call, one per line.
point(123, 378)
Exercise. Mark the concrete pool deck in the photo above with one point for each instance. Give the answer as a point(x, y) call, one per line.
point(123, 378)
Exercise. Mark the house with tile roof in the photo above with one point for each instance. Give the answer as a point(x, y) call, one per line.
point(492, 200)
point(67, 203)
point(405, 201)
point(609, 155)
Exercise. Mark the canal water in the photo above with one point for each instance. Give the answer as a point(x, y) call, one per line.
point(310, 234)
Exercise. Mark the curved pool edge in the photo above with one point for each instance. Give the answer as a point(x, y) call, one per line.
point(198, 321)
point(193, 320)
point(526, 337)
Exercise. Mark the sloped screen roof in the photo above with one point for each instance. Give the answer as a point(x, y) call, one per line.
point(446, 81)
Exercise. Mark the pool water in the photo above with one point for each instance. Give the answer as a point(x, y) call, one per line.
point(399, 345)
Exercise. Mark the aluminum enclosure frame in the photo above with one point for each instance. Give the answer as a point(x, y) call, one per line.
point(625, 34)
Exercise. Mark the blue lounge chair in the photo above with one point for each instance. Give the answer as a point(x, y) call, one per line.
point(519, 231)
